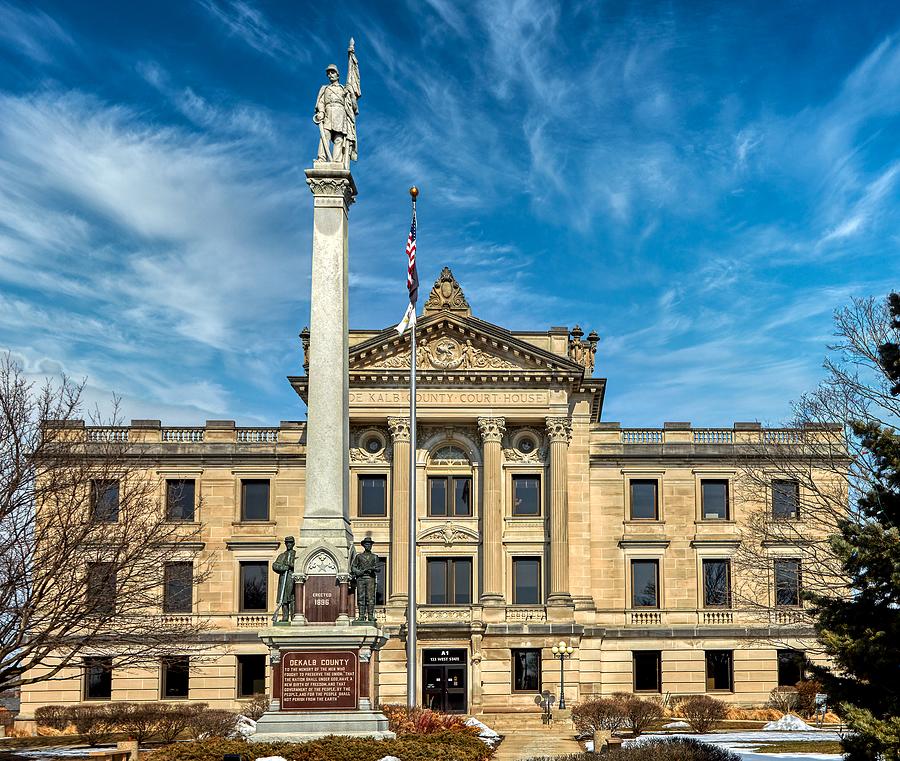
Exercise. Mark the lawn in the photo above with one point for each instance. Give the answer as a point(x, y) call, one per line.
point(800, 746)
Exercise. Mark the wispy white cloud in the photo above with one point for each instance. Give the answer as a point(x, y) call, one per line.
point(32, 32)
point(249, 24)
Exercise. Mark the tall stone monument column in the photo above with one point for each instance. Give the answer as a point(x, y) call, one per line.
point(321, 659)
point(326, 514)
point(400, 433)
point(492, 430)
point(559, 430)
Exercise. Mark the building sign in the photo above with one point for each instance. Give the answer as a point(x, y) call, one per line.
point(319, 680)
point(451, 398)
point(320, 597)
point(444, 657)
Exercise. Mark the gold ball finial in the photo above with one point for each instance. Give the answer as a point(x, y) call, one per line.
point(414, 191)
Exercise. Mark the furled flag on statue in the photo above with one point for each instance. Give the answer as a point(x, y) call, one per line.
point(412, 280)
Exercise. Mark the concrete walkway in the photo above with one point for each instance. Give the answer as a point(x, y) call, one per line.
point(519, 745)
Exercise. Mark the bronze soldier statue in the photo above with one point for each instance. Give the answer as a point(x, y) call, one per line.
point(283, 565)
point(363, 570)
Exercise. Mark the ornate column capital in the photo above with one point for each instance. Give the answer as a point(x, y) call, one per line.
point(559, 429)
point(336, 185)
point(399, 427)
point(274, 656)
point(491, 428)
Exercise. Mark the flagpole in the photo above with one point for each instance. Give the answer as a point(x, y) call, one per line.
point(411, 660)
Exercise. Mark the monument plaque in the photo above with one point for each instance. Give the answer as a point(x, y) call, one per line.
point(319, 680)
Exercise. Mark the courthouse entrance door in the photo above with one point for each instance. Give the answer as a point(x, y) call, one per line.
point(444, 680)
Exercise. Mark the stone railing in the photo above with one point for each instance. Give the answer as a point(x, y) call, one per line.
point(117, 434)
point(183, 435)
point(788, 616)
point(782, 436)
point(522, 615)
point(713, 617)
point(645, 617)
point(713, 436)
point(641, 436)
point(257, 435)
point(253, 621)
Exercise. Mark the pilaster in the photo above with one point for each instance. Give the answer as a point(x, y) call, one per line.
point(559, 430)
point(400, 434)
point(492, 430)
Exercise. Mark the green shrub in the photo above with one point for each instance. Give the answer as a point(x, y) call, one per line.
point(439, 746)
point(702, 712)
point(678, 749)
point(54, 717)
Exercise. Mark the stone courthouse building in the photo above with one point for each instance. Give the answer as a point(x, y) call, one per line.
point(538, 521)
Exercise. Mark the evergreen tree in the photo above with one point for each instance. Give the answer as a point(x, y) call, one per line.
point(860, 630)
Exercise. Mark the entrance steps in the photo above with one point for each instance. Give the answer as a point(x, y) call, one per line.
point(507, 722)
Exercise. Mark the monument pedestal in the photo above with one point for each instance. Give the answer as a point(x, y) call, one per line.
point(321, 683)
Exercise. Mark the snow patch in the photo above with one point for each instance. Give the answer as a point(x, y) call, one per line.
point(788, 723)
point(589, 746)
point(243, 727)
point(389, 758)
point(677, 725)
point(273, 758)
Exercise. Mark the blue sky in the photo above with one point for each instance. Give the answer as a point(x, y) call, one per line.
point(703, 183)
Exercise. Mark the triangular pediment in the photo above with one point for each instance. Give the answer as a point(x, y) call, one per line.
point(446, 342)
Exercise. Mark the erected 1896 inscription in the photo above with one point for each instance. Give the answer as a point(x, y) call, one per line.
point(319, 680)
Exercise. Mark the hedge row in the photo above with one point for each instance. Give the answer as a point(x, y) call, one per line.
point(439, 746)
point(678, 749)
point(143, 722)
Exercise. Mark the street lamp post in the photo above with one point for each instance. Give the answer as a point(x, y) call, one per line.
point(561, 652)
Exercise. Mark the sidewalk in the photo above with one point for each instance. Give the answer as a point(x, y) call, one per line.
point(528, 743)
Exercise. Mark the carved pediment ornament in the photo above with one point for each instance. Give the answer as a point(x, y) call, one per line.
point(525, 445)
point(448, 534)
point(447, 353)
point(446, 295)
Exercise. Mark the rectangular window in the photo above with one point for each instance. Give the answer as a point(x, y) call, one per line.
point(719, 670)
point(178, 587)
point(101, 588)
point(644, 583)
point(251, 675)
point(180, 494)
point(176, 677)
point(644, 504)
point(526, 670)
point(785, 499)
point(526, 495)
point(450, 496)
point(647, 670)
point(791, 665)
point(787, 583)
point(98, 678)
point(373, 496)
point(104, 501)
point(714, 500)
point(255, 500)
point(527, 581)
point(449, 581)
point(716, 583)
point(254, 587)
point(381, 581)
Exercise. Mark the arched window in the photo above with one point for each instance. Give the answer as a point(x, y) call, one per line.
point(450, 486)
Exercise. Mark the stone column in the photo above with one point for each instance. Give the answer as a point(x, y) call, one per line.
point(559, 430)
point(400, 434)
point(326, 515)
point(492, 430)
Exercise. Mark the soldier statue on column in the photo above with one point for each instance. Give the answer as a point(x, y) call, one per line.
point(336, 110)
point(363, 570)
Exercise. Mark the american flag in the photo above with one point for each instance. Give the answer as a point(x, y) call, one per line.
point(412, 280)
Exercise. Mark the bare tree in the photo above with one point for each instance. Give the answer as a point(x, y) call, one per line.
point(84, 541)
point(803, 479)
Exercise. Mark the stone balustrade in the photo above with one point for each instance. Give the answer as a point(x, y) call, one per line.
point(214, 431)
point(747, 434)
